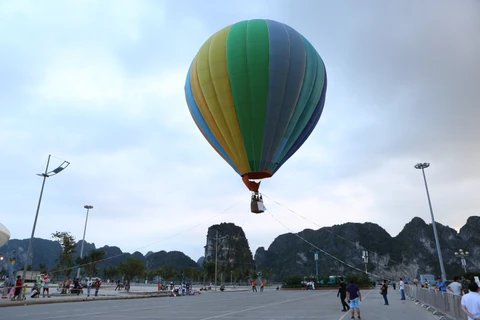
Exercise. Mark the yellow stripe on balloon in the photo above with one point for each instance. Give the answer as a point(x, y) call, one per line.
point(222, 105)
point(205, 81)
point(205, 111)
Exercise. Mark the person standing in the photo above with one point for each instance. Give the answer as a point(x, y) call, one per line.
point(46, 286)
point(384, 291)
point(471, 302)
point(97, 286)
point(6, 287)
point(456, 286)
point(254, 286)
point(262, 284)
point(354, 297)
point(401, 287)
point(89, 286)
point(342, 292)
point(18, 288)
point(441, 284)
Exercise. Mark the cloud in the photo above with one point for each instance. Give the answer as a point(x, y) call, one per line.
point(100, 83)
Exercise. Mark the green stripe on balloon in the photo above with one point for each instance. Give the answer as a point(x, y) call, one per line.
point(248, 70)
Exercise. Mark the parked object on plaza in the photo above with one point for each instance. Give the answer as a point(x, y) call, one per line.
point(4, 235)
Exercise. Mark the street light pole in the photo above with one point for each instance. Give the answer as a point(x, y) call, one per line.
point(365, 260)
point(216, 255)
point(315, 256)
point(462, 254)
point(423, 166)
point(88, 207)
point(45, 176)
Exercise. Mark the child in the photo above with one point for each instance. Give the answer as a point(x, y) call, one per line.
point(24, 295)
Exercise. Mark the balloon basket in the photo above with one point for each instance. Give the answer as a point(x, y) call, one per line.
point(256, 204)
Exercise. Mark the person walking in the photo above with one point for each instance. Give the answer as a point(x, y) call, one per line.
point(384, 291)
point(118, 286)
point(342, 292)
point(6, 287)
point(97, 286)
point(401, 287)
point(254, 286)
point(89, 286)
point(471, 302)
point(18, 288)
point(354, 297)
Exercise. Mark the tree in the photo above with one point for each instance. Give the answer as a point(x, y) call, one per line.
point(110, 272)
point(209, 268)
point(168, 272)
point(132, 267)
point(191, 273)
point(65, 260)
point(266, 273)
point(91, 261)
point(42, 267)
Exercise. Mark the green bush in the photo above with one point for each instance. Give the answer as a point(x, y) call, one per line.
point(293, 282)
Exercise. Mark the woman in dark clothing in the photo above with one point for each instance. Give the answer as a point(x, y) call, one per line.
point(18, 287)
point(384, 290)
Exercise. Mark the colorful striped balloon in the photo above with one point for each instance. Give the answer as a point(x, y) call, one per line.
point(256, 90)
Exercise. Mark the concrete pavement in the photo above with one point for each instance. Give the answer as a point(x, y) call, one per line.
point(270, 304)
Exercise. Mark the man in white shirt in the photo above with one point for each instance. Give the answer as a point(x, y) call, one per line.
point(89, 286)
point(401, 287)
point(455, 287)
point(471, 302)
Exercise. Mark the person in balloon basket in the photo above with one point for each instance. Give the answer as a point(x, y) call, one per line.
point(342, 292)
point(354, 297)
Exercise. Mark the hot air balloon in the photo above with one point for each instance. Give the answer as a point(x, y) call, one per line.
point(256, 90)
point(4, 235)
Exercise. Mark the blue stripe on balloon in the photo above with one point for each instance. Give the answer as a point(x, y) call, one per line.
point(304, 100)
point(308, 129)
point(202, 125)
point(287, 68)
point(279, 58)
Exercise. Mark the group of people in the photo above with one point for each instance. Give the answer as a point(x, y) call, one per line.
point(308, 285)
point(14, 289)
point(17, 290)
point(183, 289)
point(254, 285)
point(350, 295)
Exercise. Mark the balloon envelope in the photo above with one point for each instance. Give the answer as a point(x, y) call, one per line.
point(256, 90)
point(4, 235)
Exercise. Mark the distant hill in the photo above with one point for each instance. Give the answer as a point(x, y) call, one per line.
point(410, 253)
point(48, 251)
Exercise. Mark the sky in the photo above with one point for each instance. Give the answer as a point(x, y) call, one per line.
point(101, 84)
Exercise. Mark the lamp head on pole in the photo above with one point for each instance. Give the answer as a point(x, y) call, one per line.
point(422, 165)
point(55, 171)
point(88, 207)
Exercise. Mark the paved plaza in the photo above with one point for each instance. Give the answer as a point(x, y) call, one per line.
point(233, 304)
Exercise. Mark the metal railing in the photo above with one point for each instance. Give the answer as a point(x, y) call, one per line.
point(437, 301)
